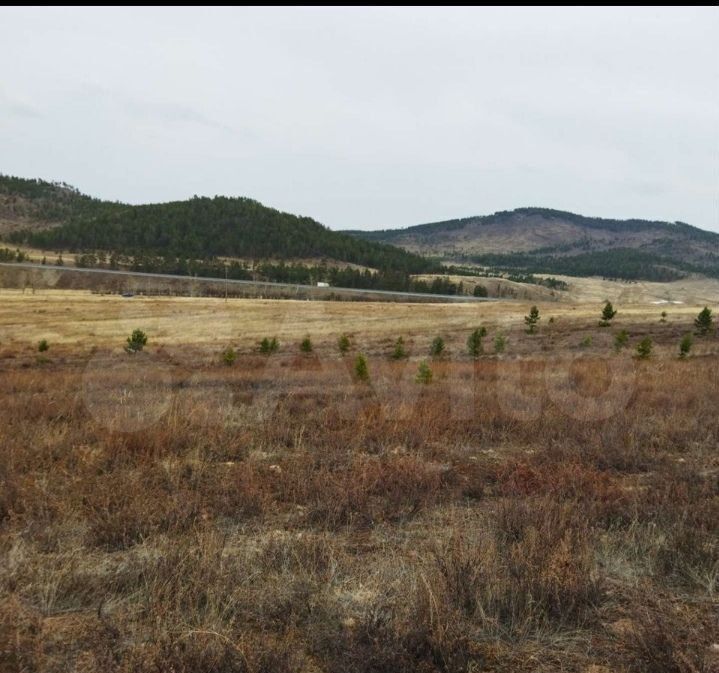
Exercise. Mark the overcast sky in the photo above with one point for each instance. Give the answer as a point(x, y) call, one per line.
point(371, 118)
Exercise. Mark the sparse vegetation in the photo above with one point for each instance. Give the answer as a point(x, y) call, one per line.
point(436, 348)
point(644, 348)
point(399, 352)
point(586, 342)
point(621, 340)
point(343, 344)
point(278, 517)
point(306, 345)
point(500, 343)
point(229, 356)
point(685, 346)
point(270, 345)
point(360, 368)
point(608, 312)
point(136, 341)
point(532, 320)
point(474, 342)
point(424, 373)
point(704, 322)
point(43, 346)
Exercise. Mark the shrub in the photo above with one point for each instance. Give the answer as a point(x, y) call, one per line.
point(500, 343)
point(361, 370)
point(43, 346)
point(306, 345)
point(229, 356)
point(343, 344)
point(585, 342)
point(399, 351)
point(268, 346)
point(664, 316)
point(644, 348)
point(436, 347)
point(685, 345)
point(621, 340)
point(424, 373)
point(532, 319)
point(480, 291)
point(474, 342)
point(136, 341)
point(704, 322)
point(608, 313)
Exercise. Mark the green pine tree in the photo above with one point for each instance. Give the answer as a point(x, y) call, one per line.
point(685, 345)
point(704, 322)
point(532, 319)
point(399, 351)
point(343, 344)
point(424, 373)
point(361, 369)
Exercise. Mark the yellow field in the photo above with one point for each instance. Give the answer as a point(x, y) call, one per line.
point(79, 317)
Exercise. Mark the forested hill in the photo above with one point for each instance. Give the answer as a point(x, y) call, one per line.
point(200, 228)
point(542, 240)
point(37, 204)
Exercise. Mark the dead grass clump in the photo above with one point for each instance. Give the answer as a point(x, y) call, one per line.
point(124, 509)
point(530, 569)
point(365, 490)
point(665, 636)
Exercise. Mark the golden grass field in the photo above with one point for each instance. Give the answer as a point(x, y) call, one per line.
point(75, 317)
point(551, 508)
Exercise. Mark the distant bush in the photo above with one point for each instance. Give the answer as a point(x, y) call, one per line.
point(704, 322)
point(399, 351)
point(136, 341)
point(229, 356)
point(532, 319)
point(43, 346)
point(608, 312)
point(424, 373)
point(436, 347)
point(361, 369)
point(343, 344)
point(621, 340)
point(585, 342)
point(685, 345)
point(306, 345)
point(644, 348)
point(474, 342)
point(480, 291)
point(500, 343)
point(268, 346)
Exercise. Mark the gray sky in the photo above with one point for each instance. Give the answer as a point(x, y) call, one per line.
point(371, 118)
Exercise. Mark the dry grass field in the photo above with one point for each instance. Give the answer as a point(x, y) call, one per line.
point(551, 508)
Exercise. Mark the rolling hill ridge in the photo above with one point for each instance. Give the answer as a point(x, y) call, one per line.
point(54, 216)
point(541, 240)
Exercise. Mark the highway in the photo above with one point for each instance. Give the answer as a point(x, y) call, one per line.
point(317, 292)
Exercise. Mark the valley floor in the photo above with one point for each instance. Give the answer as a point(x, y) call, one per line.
point(551, 508)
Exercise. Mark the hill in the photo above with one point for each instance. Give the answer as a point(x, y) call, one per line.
point(37, 204)
point(197, 236)
point(540, 240)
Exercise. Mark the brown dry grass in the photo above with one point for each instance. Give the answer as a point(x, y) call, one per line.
point(278, 516)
